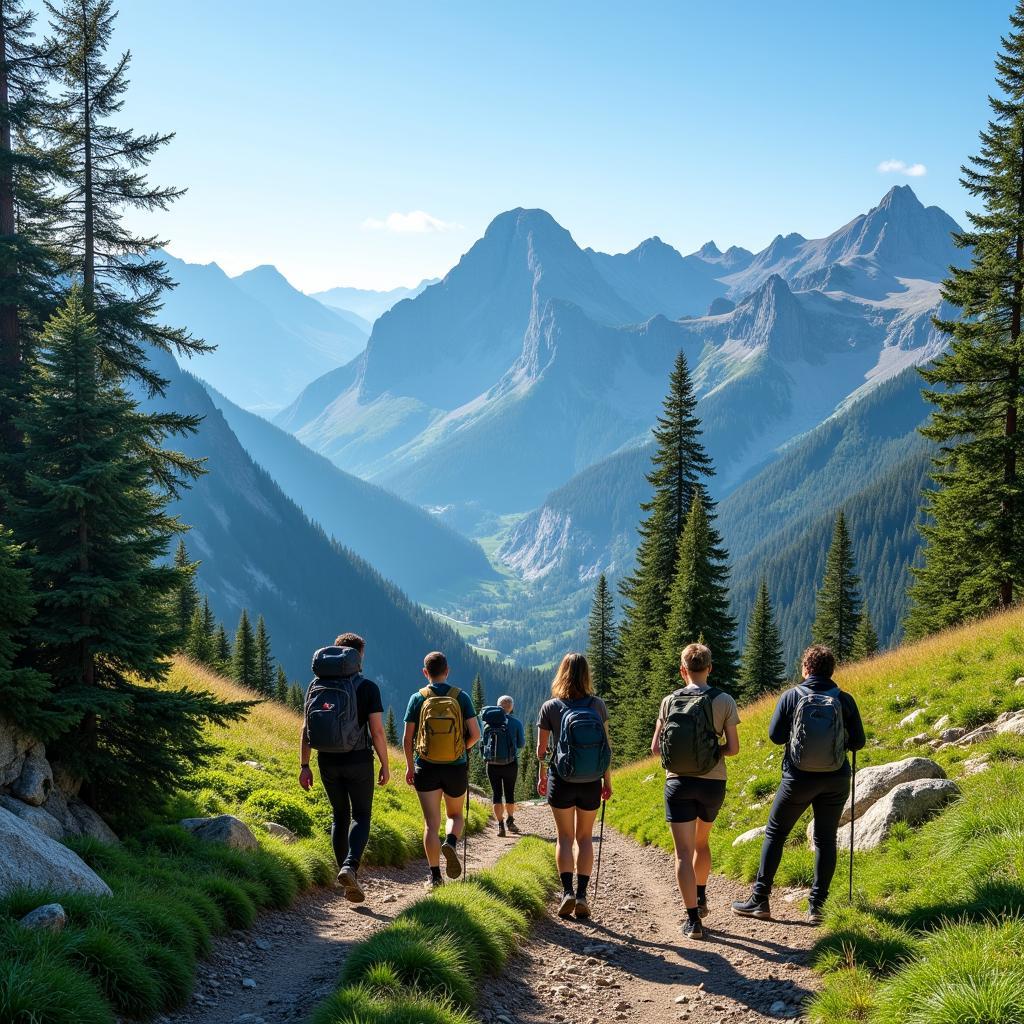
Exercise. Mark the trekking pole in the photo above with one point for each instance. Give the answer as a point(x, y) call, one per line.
point(853, 812)
point(465, 837)
point(600, 850)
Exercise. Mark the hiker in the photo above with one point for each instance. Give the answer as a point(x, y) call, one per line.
point(441, 726)
point(343, 716)
point(691, 724)
point(578, 777)
point(818, 723)
point(503, 738)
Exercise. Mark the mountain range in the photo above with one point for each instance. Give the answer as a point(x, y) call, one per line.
point(366, 303)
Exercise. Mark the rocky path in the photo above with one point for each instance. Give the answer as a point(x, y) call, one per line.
point(630, 963)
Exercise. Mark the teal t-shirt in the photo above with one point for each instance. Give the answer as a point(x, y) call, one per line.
point(412, 712)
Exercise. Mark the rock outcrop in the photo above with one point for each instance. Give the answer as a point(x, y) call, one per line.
point(225, 829)
point(910, 802)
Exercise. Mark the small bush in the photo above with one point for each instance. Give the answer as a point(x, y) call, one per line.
point(41, 990)
point(236, 905)
point(267, 805)
point(118, 968)
point(360, 1005)
point(848, 997)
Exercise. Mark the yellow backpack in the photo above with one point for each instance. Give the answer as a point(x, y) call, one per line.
point(441, 736)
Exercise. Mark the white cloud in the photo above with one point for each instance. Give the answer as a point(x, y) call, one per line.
point(901, 167)
point(415, 222)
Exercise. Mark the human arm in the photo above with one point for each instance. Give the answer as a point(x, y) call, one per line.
point(472, 732)
point(606, 782)
point(782, 718)
point(305, 752)
point(656, 738)
point(855, 735)
point(543, 737)
point(731, 747)
point(380, 746)
point(410, 731)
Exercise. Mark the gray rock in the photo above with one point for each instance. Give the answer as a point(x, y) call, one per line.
point(35, 780)
point(254, 765)
point(31, 860)
point(916, 741)
point(1019, 681)
point(976, 765)
point(1010, 722)
point(35, 816)
point(89, 823)
point(873, 783)
point(224, 828)
point(248, 983)
point(979, 735)
point(911, 718)
point(750, 835)
point(14, 744)
point(953, 734)
point(280, 831)
point(49, 918)
point(941, 724)
point(911, 802)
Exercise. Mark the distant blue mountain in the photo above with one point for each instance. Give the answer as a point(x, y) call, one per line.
point(365, 303)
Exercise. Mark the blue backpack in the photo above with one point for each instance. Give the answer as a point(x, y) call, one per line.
point(497, 746)
point(582, 753)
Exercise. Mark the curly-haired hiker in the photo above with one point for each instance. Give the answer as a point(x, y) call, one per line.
point(691, 725)
point(578, 776)
point(818, 723)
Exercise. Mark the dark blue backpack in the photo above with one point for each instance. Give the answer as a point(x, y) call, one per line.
point(582, 753)
point(497, 746)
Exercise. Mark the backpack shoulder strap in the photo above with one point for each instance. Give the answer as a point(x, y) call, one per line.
point(712, 692)
point(453, 692)
point(425, 692)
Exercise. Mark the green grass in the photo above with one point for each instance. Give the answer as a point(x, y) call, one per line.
point(425, 968)
point(133, 954)
point(959, 875)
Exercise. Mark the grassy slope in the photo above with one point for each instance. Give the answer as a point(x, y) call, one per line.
point(967, 865)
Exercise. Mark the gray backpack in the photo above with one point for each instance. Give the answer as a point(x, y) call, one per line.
point(817, 735)
point(331, 710)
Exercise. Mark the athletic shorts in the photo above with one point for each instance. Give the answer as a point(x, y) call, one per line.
point(452, 778)
point(688, 798)
point(502, 778)
point(584, 795)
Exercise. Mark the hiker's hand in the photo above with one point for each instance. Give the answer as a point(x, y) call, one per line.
point(606, 791)
point(542, 785)
point(306, 778)
point(410, 777)
point(384, 775)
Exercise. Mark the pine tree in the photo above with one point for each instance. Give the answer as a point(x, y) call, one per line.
point(221, 650)
point(281, 687)
point(104, 621)
point(296, 698)
point(526, 784)
point(244, 665)
point(390, 729)
point(763, 667)
point(477, 764)
point(602, 648)
point(865, 640)
point(679, 467)
point(974, 530)
point(838, 603)
point(187, 596)
point(265, 682)
point(199, 643)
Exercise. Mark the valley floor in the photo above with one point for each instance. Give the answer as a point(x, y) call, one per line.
point(629, 963)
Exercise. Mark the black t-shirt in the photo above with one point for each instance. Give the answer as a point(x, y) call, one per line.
point(368, 702)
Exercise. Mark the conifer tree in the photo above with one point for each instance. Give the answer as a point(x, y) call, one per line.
point(477, 764)
point(602, 647)
point(265, 682)
point(244, 663)
point(838, 602)
point(679, 467)
point(187, 596)
point(104, 620)
point(221, 650)
point(763, 668)
point(865, 640)
point(390, 730)
point(296, 698)
point(198, 642)
point(281, 685)
point(526, 784)
point(974, 530)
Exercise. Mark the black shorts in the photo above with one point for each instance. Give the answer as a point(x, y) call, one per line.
point(584, 795)
point(502, 778)
point(452, 778)
point(687, 799)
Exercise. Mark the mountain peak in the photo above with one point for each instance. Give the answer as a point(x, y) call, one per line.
point(522, 218)
point(900, 197)
point(709, 251)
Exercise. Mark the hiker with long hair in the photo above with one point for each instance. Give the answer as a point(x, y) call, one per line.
point(578, 776)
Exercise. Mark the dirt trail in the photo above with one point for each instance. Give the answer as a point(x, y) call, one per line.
point(293, 957)
point(631, 963)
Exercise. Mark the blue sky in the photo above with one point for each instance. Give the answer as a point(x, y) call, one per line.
point(308, 132)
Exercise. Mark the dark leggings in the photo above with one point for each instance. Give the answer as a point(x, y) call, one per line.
point(350, 790)
point(503, 778)
point(827, 795)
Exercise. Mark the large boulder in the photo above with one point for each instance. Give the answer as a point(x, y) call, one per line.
point(911, 718)
point(35, 780)
point(13, 747)
point(31, 860)
point(35, 816)
point(89, 823)
point(224, 828)
point(911, 802)
point(874, 782)
point(750, 835)
point(285, 834)
point(979, 735)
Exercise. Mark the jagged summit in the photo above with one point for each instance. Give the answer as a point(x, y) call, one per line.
point(709, 251)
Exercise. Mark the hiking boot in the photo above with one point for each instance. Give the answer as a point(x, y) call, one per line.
point(433, 883)
point(692, 929)
point(815, 915)
point(353, 890)
point(702, 907)
point(582, 907)
point(567, 906)
point(452, 867)
point(501, 829)
point(752, 908)
point(512, 827)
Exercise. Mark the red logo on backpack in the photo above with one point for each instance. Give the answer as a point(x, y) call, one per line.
point(327, 707)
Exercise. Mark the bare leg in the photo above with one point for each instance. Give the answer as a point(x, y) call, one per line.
point(499, 810)
point(456, 808)
point(684, 836)
point(565, 827)
point(585, 842)
point(431, 805)
point(702, 852)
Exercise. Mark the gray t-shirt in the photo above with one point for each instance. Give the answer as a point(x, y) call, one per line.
point(550, 716)
point(723, 710)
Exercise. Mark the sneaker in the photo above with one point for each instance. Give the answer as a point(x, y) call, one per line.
point(582, 907)
point(353, 890)
point(501, 829)
point(452, 867)
point(815, 915)
point(433, 883)
point(512, 827)
point(692, 929)
point(567, 906)
point(702, 907)
point(752, 908)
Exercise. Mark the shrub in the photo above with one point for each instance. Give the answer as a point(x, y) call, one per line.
point(856, 937)
point(848, 997)
point(117, 966)
point(266, 805)
point(41, 990)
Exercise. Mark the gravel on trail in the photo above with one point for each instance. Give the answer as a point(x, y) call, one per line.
point(629, 963)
